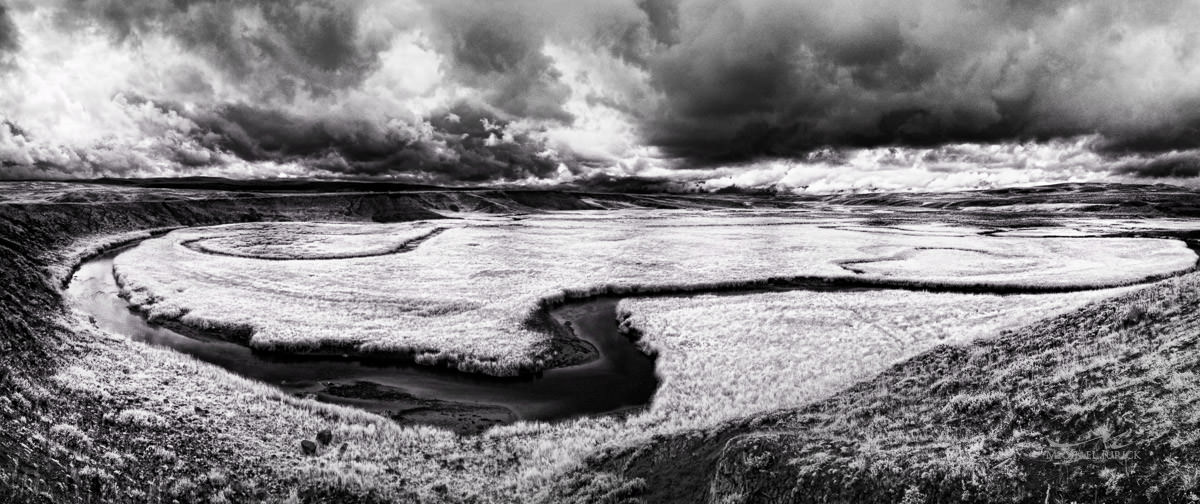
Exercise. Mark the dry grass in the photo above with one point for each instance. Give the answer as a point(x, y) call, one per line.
point(1084, 407)
point(309, 240)
point(515, 463)
point(468, 297)
point(724, 357)
point(251, 425)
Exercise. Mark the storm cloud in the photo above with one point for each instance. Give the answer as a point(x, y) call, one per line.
point(10, 40)
point(780, 78)
point(1174, 164)
point(528, 90)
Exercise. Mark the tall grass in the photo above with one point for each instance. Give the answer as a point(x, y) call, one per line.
point(720, 357)
point(466, 298)
point(740, 355)
point(311, 240)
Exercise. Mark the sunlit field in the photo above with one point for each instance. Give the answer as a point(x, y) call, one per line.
point(719, 357)
point(469, 297)
point(469, 291)
point(725, 356)
point(306, 240)
point(747, 314)
point(610, 252)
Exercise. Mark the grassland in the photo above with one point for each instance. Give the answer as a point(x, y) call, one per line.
point(309, 240)
point(708, 379)
point(90, 416)
point(724, 356)
point(471, 297)
point(1096, 405)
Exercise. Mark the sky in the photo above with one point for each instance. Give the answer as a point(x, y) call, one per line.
point(794, 95)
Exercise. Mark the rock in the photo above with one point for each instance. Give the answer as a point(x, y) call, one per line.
point(325, 437)
point(308, 447)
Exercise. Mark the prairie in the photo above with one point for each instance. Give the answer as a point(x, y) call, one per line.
point(720, 360)
point(871, 391)
point(307, 240)
point(470, 297)
point(724, 356)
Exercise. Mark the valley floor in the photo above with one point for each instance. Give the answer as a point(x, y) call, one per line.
point(1094, 402)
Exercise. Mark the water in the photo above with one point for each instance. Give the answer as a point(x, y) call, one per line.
point(620, 379)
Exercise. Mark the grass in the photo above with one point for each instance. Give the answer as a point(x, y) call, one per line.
point(157, 391)
point(481, 313)
point(229, 438)
point(310, 240)
point(1098, 404)
point(140, 417)
point(60, 271)
point(723, 357)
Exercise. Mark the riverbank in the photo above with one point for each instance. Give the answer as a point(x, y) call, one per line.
point(60, 442)
point(1099, 404)
point(617, 378)
point(92, 418)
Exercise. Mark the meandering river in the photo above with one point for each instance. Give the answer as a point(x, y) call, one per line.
point(621, 378)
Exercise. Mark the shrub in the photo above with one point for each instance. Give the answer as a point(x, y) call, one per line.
point(70, 436)
point(140, 418)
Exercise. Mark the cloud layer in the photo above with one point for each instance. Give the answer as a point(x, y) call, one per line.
point(958, 92)
point(783, 78)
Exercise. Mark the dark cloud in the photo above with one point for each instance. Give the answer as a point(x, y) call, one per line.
point(663, 18)
point(9, 37)
point(1184, 134)
point(456, 149)
point(273, 51)
point(498, 48)
point(269, 46)
point(781, 78)
point(1171, 165)
point(339, 86)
